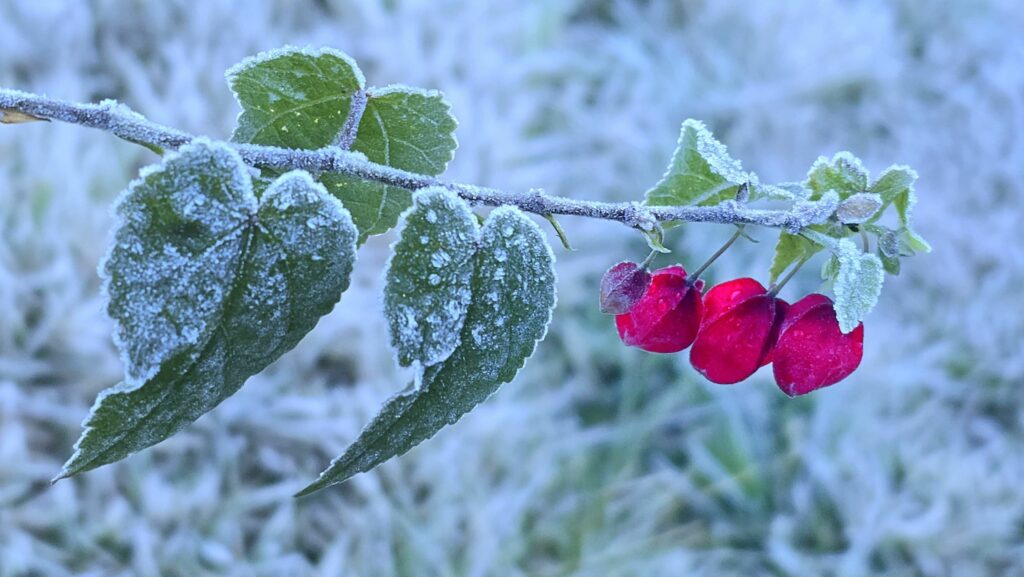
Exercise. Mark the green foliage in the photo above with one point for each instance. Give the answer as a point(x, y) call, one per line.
point(701, 172)
point(844, 174)
point(295, 98)
point(428, 278)
point(857, 285)
point(208, 286)
point(404, 128)
point(790, 249)
point(513, 294)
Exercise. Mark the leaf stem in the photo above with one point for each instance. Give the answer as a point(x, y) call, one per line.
point(721, 250)
point(559, 231)
point(775, 288)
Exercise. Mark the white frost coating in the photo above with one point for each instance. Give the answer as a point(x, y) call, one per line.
point(428, 277)
point(276, 296)
point(843, 168)
point(233, 72)
point(175, 251)
point(714, 152)
point(858, 284)
point(858, 208)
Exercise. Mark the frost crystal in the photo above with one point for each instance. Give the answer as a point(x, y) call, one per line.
point(428, 277)
point(858, 284)
point(206, 298)
point(510, 310)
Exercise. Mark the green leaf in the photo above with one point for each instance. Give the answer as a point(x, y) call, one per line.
point(513, 295)
point(208, 286)
point(294, 97)
point(843, 173)
point(830, 269)
point(893, 182)
point(896, 185)
point(791, 248)
point(701, 171)
point(428, 278)
point(858, 284)
point(891, 264)
point(404, 128)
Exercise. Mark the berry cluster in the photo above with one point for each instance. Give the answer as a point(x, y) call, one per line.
point(735, 329)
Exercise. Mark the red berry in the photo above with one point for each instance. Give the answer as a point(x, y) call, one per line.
point(622, 287)
point(811, 351)
point(737, 335)
point(666, 318)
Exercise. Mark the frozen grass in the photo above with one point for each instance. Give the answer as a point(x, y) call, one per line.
point(598, 460)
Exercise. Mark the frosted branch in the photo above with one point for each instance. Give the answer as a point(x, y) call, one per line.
point(127, 124)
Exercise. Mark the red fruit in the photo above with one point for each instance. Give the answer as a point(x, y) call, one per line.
point(666, 318)
point(811, 351)
point(622, 287)
point(737, 336)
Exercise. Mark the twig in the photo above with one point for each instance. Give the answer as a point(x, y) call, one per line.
point(127, 124)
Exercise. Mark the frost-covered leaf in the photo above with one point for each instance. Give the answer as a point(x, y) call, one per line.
point(428, 277)
point(843, 173)
point(858, 284)
point(893, 182)
point(294, 97)
point(896, 185)
point(209, 285)
point(891, 264)
point(513, 295)
point(830, 269)
point(404, 128)
point(701, 171)
point(791, 248)
point(858, 208)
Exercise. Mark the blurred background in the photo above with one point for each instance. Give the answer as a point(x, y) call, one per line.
point(597, 460)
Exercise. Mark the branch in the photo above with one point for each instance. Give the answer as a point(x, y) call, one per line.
point(122, 121)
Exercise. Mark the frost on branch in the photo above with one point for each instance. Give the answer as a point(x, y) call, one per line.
point(513, 294)
point(209, 286)
point(428, 278)
point(402, 127)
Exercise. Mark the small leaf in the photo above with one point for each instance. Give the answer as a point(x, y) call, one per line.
point(404, 128)
point(896, 185)
point(428, 278)
point(858, 208)
point(655, 238)
point(208, 286)
point(701, 171)
point(893, 181)
point(513, 295)
point(844, 174)
point(858, 284)
point(294, 97)
point(8, 116)
point(830, 269)
point(891, 264)
point(791, 248)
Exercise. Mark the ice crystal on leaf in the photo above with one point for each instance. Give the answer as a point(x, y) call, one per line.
point(208, 287)
point(303, 98)
point(858, 284)
point(508, 314)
